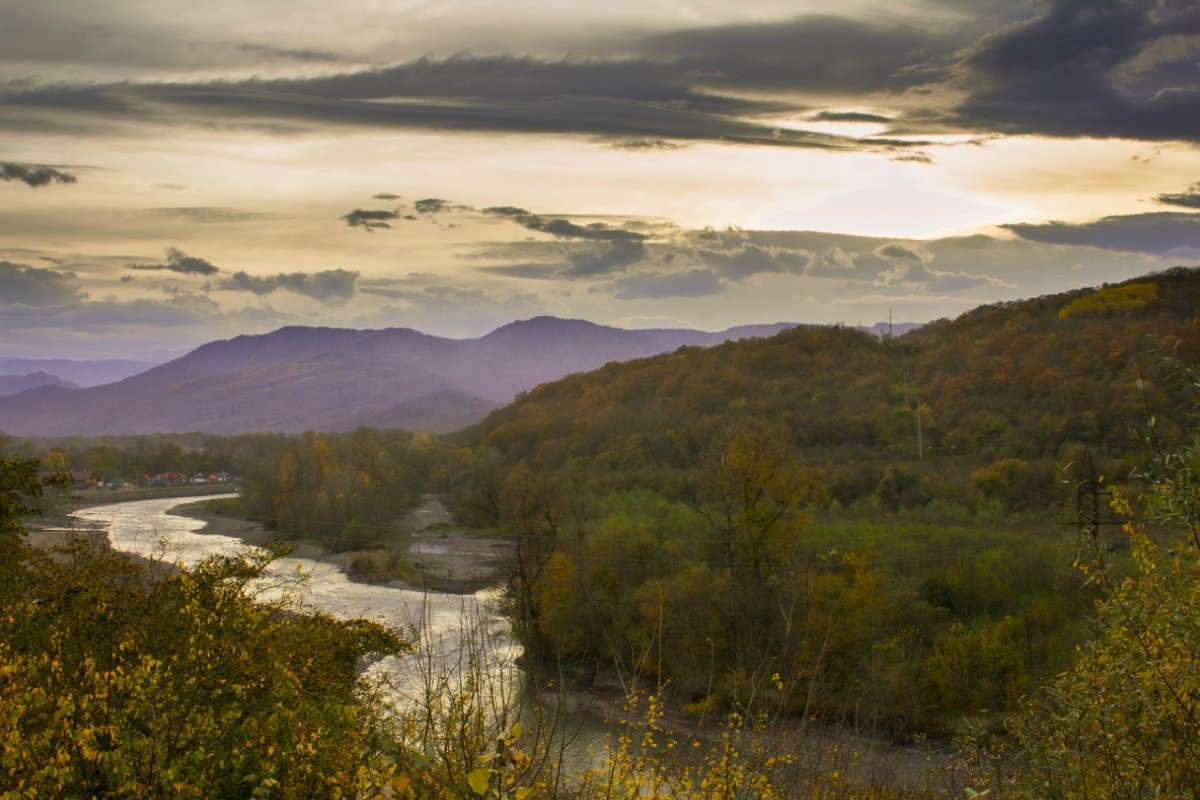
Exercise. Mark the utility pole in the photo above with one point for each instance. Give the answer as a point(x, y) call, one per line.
point(920, 443)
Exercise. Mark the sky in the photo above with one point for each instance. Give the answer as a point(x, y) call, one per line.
point(174, 172)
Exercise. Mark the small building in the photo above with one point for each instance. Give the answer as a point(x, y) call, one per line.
point(83, 479)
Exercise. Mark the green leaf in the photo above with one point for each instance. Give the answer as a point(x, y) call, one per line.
point(479, 780)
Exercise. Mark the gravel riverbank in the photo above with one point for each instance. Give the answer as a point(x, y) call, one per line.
point(436, 555)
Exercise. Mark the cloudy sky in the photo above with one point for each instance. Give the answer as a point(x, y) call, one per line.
point(173, 172)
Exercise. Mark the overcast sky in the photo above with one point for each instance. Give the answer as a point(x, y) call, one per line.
point(173, 172)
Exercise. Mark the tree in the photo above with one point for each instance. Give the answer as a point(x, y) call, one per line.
point(1124, 721)
point(754, 496)
point(116, 681)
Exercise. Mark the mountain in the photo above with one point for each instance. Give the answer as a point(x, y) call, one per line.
point(15, 384)
point(1036, 379)
point(301, 378)
point(80, 373)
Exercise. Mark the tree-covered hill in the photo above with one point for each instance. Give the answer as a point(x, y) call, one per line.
point(1028, 380)
point(818, 527)
point(856, 527)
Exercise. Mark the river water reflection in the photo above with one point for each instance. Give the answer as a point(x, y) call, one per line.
point(458, 637)
point(449, 630)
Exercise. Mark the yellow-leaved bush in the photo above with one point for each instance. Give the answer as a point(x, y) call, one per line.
point(119, 681)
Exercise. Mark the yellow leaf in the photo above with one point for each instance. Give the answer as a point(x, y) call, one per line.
point(479, 779)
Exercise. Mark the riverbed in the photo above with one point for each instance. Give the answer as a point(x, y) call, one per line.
point(445, 629)
point(458, 638)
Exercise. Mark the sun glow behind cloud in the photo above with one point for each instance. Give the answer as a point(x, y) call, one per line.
point(698, 161)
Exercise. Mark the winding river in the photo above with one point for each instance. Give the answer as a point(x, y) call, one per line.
point(451, 632)
point(457, 637)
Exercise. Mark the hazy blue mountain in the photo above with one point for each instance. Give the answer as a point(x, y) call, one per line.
point(302, 378)
point(80, 373)
point(15, 384)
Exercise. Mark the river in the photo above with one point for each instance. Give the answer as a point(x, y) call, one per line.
point(459, 638)
point(450, 631)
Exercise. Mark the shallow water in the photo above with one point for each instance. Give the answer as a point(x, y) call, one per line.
point(450, 631)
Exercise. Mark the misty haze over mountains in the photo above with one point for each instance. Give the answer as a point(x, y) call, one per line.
point(79, 373)
point(15, 384)
point(302, 378)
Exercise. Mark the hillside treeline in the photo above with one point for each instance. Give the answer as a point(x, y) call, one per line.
point(843, 526)
point(121, 681)
point(834, 524)
point(906, 421)
point(341, 489)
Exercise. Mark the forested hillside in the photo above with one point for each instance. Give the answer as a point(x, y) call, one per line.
point(934, 534)
point(855, 527)
point(897, 419)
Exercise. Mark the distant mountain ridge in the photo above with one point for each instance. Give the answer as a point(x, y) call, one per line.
point(80, 373)
point(15, 384)
point(1028, 381)
point(302, 378)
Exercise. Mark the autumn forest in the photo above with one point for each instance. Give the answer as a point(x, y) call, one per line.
point(975, 534)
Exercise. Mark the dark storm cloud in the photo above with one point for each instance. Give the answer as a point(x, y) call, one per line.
point(922, 277)
point(746, 259)
point(901, 251)
point(431, 205)
point(641, 99)
point(36, 287)
point(512, 78)
point(816, 54)
point(332, 287)
point(1158, 233)
point(1188, 199)
point(261, 53)
point(181, 262)
point(599, 260)
point(108, 34)
point(848, 116)
point(568, 260)
point(209, 214)
point(245, 282)
point(527, 271)
point(728, 254)
point(565, 229)
point(693, 283)
point(732, 254)
point(1127, 68)
point(694, 263)
point(33, 175)
point(370, 220)
point(645, 145)
point(1088, 68)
